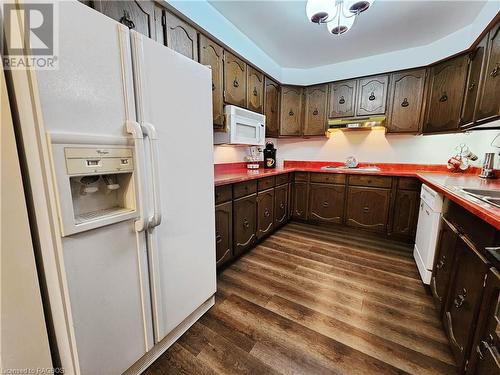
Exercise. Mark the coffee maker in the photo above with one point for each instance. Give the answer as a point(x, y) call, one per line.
point(488, 170)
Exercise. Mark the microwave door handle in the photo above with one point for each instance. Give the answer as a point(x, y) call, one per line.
point(150, 132)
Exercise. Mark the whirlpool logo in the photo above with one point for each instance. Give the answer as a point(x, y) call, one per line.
point(30, 35)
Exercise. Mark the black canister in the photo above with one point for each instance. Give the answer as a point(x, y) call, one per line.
point(269, 156)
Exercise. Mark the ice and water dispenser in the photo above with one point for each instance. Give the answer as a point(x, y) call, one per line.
point(95, 185)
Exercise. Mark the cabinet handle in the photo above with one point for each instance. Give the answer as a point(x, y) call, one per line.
point(371, 97)
point(266, 213)
point(459, 300)
point(236, 83)
point(125, 20)
point(213, 86)
point(290, 113)
point(443, 98)
point(315, 112)
point(246, 224)
point(366, 209)
point(471, 86)
point(218, 237)
point(495, 70)
point(441, 262)
point(405, 103)
point(342, 100)
point(325, 204)
point(254, 91)
point(282, 205)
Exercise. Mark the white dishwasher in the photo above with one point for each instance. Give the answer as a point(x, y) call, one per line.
point(431, 204)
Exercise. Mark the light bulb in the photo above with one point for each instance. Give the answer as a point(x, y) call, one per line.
point(357, 6)
point(319, 11)
point(341, 24)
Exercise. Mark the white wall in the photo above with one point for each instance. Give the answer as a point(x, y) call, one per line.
point(373, 146)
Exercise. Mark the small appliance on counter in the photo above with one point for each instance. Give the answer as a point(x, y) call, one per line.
point(270, 155)
point(254, 158)
point(488, 166)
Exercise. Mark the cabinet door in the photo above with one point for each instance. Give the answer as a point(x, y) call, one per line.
point(299, 210)
point(368, 208)
point(272, 108)
point(244, 223)
point(445, 95)
point(342, 99)
point(136, 15)
point(235, 80)
point(223, 232)
point(212, 54)
point(475, 61)
point(255, 90)
point(159, 24)
point(489, 98)
point(281, 204)
point(406, 94)
point(181, 37)
point(372, 95)
point(405, 213)
point(315, 110)
point(485, 353)
point(443, 263)
point(265, 212)
point(464, 299)
point(291, 110)
point(326, 203)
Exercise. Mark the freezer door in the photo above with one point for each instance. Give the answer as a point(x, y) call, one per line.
point(174, 95)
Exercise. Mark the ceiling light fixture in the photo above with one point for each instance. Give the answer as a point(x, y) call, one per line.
point(339, 15)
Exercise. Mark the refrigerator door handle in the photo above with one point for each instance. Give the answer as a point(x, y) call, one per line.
point(149, 130)
point(134, 128)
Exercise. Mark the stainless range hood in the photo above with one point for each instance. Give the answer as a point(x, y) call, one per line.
point(358, 123)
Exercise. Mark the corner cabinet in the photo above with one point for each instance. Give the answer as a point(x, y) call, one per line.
point(445, 95)
point(235, 80)
point(291, 110)
point(212, 55)
point(255, 90)
point(342, 99)
point(281, 194)
point(372, 95)
point(265, 213)
point(272, 107)
point(299, 200)
point(406, 92)
point(315, 110)
point(181, 37)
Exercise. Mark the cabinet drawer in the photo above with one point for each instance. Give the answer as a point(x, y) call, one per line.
point(300, 176)
point(282, 179)
point(375, 181)
point(408, 183)
point(244, 188)
point(223, 193)
point(265, 183)
point(328, 178)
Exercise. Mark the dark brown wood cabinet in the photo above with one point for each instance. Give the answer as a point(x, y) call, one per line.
point(136, 15)
point(281, 204)
point(445, 95)
point(488, 106)
point(326, 203)
point(368, 207)
point(443, 263)
point(212, 54)
point(255, 90)
point(485, 353)
point(244, 223)
point(299, 203)
point(181, 36)
point(464, 298)
point(342, 99)
point(404, 220)
point(315, 110)
point(223, 232)
point(272, 107)
point(291, 110)
point(235, 80)
point(405, 100)
point(265, 212)
point(372, 95)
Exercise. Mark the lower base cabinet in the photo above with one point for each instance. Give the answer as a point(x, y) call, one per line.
point(265, 213)
point(326, 203)
point(368, 208)
point(299, 200)
point(405, 213)
point(281, 204)
point(244, 223)
point(223, 232)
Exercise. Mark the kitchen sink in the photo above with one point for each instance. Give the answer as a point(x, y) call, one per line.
point(486, 195)
point(359, 169)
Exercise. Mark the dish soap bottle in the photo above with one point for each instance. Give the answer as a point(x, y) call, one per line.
point(269, 156)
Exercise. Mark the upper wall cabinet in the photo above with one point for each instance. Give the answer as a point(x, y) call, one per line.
point(212, 54)
point(489, 98)
point(315, 110)
point(255, 90)
point(372, 95)
point(136, 15)
point(406, 92)
point(272, 107)
point(291, 110)
point(235, 80)
point(159, 24)
point(342, 99)
point(445, 95)
point(181, 37)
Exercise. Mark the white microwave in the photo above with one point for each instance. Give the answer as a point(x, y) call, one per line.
point(243, 127)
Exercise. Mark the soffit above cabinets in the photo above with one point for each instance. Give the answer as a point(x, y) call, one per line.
point(281, 28)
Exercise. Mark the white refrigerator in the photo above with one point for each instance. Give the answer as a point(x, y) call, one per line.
point(118, 144)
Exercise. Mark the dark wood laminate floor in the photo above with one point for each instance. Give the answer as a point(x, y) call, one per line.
point(312, 301)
